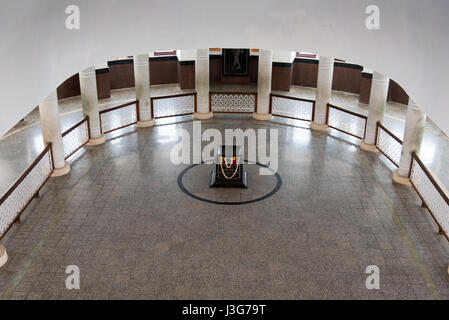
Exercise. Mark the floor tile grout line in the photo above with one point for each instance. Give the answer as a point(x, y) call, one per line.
point(61, 114)
point(26, 265)
point(403, 232)
point(370, 167)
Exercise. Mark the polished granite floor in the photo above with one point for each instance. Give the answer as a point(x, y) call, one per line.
point(20, 146)
point(121, 218)
point(435, 146)
point(23, 143)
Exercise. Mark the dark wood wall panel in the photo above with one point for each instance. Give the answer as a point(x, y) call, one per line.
point(254, 68)
point(69, 88)
point(395, 91)
point(121, 74)
point(186, 74)
point(347, 77)
point(365, 87)
point(235, 80)
point(215, 69)
point(397, 94)
point(103, 86)
point(163, 70)
point(305, 73)
point(281, 76)
point(216, 75)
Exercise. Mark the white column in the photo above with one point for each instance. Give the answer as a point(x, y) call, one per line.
point(413, 135)
point(3, 256)
point(376, 109)
point(264, 85)
point(89, 100)
point(202, 84)
point(142, 80)
point(51, 132)
point(323, 92)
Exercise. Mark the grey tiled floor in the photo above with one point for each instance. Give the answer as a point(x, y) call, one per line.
point(122, 219)
point(23, 143)
point(435, 146)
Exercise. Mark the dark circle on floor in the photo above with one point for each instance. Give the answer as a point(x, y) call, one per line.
point(192, 195)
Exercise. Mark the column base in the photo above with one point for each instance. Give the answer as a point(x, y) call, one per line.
point(145, 123)
point(3, 256)
point(401, 180)
point(319, 127)
point(97, 141)
point(368, 147)
point(61, 171)
point(203, 116)
point(262, 117)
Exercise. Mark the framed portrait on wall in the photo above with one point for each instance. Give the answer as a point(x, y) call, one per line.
point(235, 62)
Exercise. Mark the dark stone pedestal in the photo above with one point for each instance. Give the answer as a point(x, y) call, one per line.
point(231, 176)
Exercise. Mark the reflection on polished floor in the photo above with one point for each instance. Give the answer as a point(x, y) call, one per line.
point(122, 219)
point(20, 146)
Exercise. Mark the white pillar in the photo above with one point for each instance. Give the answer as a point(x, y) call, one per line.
point(202, 84)
point(264, 85)
point(413, 135)
point(89, 100)
point(323, 92)
point(3, 256)
point(142, 81)
point(51, 132)
point(376, 109)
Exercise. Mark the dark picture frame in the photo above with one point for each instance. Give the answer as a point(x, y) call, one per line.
point(236, 62)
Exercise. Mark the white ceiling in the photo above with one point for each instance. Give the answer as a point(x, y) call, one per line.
point(37, 52)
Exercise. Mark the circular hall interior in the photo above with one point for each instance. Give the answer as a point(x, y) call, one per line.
point(110, 140)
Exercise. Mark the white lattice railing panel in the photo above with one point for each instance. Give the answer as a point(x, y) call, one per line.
point(432, 195)
point(23, 191)
point(76, 137)
point(233, 102)
point(118, 117)
point(389, 145)
point(347, 122)
point(173, 106)
point(292, 108)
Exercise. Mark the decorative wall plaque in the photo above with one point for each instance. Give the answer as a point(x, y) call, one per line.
point(235, 62)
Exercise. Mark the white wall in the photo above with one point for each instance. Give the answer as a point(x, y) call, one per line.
point(37, 52)
point(186, 55)
point(284, 56)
